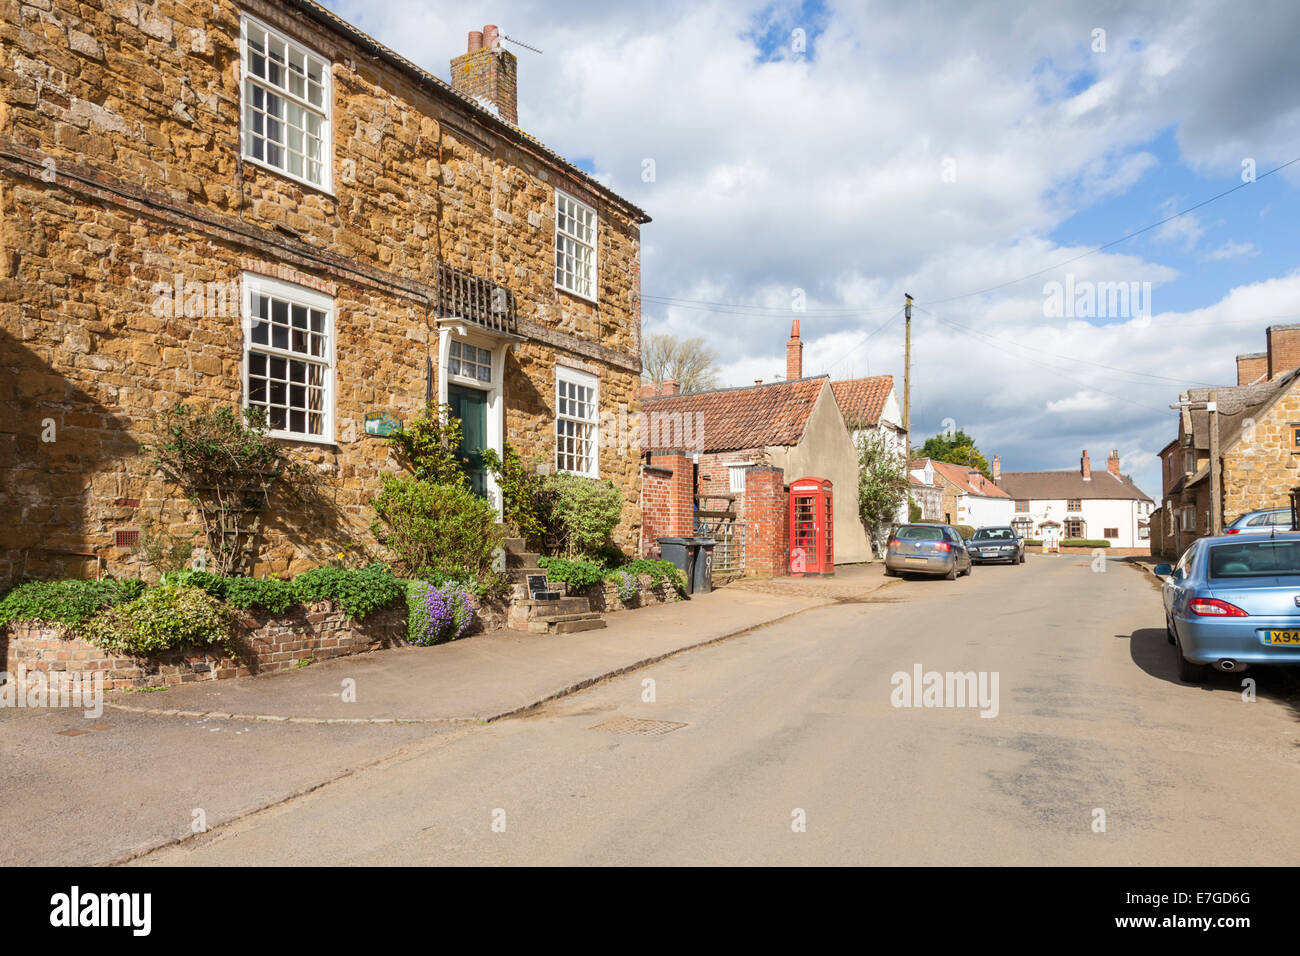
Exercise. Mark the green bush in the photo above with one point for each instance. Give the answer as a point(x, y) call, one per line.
point(486, 586)
point(1033, 543)
point(272, 594)
point(583, 513)
point(66, 603)
point(965, 530)
point(576, 573)
point(1085, 543)
point(659, 572)
point(163, 618)
point(524, 499)
point(430, 447)
point(443, 529)
point(357, 590)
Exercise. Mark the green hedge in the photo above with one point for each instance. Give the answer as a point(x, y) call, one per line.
point(66, 603)
point(1085, 543)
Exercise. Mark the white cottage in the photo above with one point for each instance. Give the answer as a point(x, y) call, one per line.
point(1101, 505)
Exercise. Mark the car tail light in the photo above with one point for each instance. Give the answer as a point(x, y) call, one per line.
point(1212, 607)
point(943, 546)
point(1232, 531)
point(893, 544)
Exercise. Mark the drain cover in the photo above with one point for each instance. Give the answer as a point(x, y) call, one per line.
point(638, 725)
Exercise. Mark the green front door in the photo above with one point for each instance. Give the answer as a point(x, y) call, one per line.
point(470, 406)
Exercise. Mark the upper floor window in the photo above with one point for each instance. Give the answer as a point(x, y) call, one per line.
point(289, 357)
point(1022, 504)
point(1074, 504)
point(575, 246)
point(286, 105)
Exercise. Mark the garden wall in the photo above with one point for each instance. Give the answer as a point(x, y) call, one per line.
point(604, 596)
point(271, 642)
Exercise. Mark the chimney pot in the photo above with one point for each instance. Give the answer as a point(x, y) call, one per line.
point(475, 40)
point(491, 36)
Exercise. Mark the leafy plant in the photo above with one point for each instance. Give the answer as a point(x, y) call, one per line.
point(583, 514)
point(956, 447)
point(626, 584)
point(440, 529)
point(358, 591)
point(225, 464)
point(913, 510)
point(524, 499)
point(271, 594)
point(161, 550)
point(163, 618)
point(430, 447)
point(436, 614)
point(882, 486)
point(659, 572)
point(66, 603)
point(577, 574)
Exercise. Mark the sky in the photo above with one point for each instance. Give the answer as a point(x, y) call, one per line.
point(982, 157)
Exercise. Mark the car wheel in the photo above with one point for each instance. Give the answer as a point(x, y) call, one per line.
point(890, 573)
point(951, 575)
point(969, 568)
point(1189, 672)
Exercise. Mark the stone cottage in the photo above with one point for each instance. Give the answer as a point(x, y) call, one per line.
point(257, 204)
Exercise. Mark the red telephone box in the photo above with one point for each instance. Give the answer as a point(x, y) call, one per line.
point(812, 525)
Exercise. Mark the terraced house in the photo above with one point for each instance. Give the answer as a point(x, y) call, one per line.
point(257, 204)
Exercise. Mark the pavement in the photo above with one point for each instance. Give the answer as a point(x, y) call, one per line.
point(788, 746)
point(493, 675)
point(156, 767)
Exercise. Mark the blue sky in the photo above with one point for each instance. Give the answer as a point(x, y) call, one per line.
point(937, 148)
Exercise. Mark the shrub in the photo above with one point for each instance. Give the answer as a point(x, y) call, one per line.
point(583, 513)
point(359, 591)
point(163, 618)
point(66, 603)
point(965, 530)
point(443, 529)
point(524, 498)
point(486, 586)
point(436, 614)
point(430, 447)
point(659, 572)
point(271, 594)
point(626, 584)
point(1085, 543)
point(577, 574)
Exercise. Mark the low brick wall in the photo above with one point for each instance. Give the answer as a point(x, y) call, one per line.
point(269, 643)
point(604, 596)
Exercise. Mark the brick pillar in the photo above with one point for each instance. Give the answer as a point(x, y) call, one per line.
point(767, 518)
point(667, 499)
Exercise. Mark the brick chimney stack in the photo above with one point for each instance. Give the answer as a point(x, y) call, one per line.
point(670, 386)
point(794, 355)
point(1251, 367)
point(1112, 463)
point(997, 468)
point(1085, 466)
point(488, 73)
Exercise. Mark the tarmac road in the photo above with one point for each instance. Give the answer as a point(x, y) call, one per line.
point(796, 722)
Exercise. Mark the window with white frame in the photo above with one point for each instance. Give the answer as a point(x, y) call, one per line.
point(286, 105)
point(575, 246)
point(736, 476)
point(470, 361)
point(289, 357)
point(576, 424)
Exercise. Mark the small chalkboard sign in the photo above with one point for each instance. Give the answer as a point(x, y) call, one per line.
point(382, 424)
point(537, 589)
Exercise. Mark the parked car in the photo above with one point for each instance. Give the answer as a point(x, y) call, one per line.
point(927, 549)
point(997, 543)
point(1231, 602)
point(1264, 521)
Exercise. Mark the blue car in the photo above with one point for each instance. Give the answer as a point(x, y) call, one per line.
point(1231, 602)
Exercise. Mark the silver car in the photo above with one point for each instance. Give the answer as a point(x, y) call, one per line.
point(927, 549)
point(997, 543)
point(1264, 521)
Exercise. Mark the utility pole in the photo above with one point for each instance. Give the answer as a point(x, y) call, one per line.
point(907, 372)
point(1216, 511)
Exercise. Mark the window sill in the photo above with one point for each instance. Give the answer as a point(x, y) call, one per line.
point(326, 190)
point(306, 439)
point(577, 295)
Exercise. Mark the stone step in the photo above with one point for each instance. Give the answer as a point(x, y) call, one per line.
point(523, 559)
point(515, 545)
point(572, 624)
point(560, 617)
point(565, 605)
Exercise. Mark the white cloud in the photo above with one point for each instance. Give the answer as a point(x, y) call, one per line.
point(1233, 250)
point(1080, 402)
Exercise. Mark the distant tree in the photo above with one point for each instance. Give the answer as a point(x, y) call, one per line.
point(882, 485)
point(689, 362)
point(957, 448)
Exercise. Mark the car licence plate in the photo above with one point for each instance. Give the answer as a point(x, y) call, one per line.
point(1282, 637)
point(918, 561)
